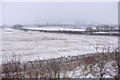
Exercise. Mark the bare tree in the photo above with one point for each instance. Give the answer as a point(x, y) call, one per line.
point(117, 60)
point(12, 68)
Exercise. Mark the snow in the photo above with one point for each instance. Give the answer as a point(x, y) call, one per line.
point(53, 29)
point(32, 44)
point(111, 32)
point(79, 72)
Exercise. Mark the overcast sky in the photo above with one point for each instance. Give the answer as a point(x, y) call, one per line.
point(33, 13)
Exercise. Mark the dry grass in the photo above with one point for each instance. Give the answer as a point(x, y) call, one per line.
point(52, 68)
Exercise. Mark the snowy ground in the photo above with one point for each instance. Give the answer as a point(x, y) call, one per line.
point(54, 29)
point(31, 44)
point(80, 72)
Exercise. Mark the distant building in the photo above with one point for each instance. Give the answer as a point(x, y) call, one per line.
point(89, 29)
point(105, 28)
point(18, 27)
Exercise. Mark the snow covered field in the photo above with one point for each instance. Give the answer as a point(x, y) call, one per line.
point(32, 44)
point(53, 29)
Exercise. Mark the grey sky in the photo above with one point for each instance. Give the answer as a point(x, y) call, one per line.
point(30, 13)
point(0, 13)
